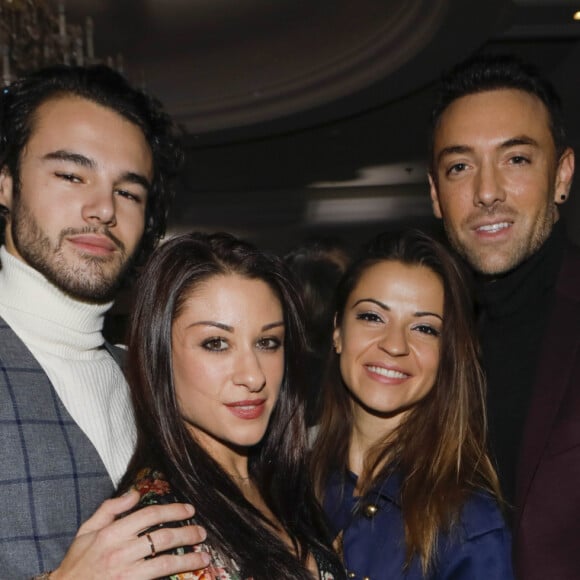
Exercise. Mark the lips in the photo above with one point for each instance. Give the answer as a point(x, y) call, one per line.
point(248, 409)
point(93, 243)
point(494, 228)
point(390, 374)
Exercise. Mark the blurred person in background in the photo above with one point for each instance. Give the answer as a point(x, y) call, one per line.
point(318, 266)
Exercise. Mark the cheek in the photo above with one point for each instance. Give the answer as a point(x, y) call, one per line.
point(456, 204)
point(47, 209)
point(274, 371)
point(132, 221)
point(355, 342)
point(430, 361)
point(194, 380)
point(347, 363)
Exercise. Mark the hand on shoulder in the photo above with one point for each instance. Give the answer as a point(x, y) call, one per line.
point(107, 547)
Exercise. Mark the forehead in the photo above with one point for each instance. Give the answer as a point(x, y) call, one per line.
point(234, 296)
point(391, 279)
point(493, 115)
point(66, 120)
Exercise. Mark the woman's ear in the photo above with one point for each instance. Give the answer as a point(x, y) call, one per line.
point(336, 338)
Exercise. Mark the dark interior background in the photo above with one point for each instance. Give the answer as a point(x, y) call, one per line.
point(309, 118)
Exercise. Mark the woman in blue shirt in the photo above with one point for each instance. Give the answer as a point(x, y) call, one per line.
point(400, 458)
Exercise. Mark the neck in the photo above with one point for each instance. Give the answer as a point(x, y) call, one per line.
point(368, 430)
point(232, 459)
point(44, 314)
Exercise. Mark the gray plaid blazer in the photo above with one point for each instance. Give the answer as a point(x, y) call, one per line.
point(51, 477)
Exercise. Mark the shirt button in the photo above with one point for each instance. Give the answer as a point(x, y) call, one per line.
point(370, 511)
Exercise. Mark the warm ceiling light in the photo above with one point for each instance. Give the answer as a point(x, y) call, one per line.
point(576, 15)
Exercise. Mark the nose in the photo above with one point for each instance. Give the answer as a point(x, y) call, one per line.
point(248, 372)
point(394, 341)
point(99, 207)
point(488, 190)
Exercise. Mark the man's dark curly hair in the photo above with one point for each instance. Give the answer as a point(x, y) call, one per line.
point(104, 86)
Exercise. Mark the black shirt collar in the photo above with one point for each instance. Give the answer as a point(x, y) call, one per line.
point(527, 283)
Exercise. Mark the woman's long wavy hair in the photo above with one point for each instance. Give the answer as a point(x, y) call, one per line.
point(439, 448)
point(277, 465)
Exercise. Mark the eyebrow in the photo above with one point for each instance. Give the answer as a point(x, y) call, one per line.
point(462, 149)
point(131, 177)
point(84, 161)
point(520, 140)
point(228, 328)
point(383, 306)
point(77, 158)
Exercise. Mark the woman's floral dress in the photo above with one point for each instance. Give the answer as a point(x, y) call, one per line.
point(155, 489)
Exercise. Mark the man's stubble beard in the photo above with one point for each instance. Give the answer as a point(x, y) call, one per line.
point(504, 260)
point(94, 279)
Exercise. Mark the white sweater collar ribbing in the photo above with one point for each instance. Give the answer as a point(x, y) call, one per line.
point(44, 316)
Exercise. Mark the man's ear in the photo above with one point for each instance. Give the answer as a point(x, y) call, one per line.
point(336, 338)
point(564, 175)
point(434, 197)
point(6, 192)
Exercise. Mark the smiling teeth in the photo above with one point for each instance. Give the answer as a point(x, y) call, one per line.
point(494, 227)
point(388, 373)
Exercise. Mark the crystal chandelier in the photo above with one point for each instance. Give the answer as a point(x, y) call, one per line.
point(35, 33)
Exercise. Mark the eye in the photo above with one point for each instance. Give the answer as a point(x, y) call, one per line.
point(269, 343)
point(456, 168)
point(215, 344)
point(369, 317)
point(519, 160)
point(128, 195)
point(427, 329)
point(69, 177)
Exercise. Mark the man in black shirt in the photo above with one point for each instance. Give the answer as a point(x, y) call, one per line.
point(500, 167)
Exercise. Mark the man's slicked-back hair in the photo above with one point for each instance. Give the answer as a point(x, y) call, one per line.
point(489, 72)
point(100, 84)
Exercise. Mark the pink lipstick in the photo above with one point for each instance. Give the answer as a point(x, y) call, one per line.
point(248, 410)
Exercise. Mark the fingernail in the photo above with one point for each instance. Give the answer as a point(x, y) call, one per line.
point(189, 508)
point(206, 558)
point(203, 534)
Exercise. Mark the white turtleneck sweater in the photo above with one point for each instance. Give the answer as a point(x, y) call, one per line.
point(65, 336)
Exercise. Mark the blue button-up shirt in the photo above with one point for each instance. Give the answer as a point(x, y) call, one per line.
point(478, 548)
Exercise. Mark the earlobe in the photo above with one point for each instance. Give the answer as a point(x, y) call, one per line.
point(564, 175)
point(336, 341)
point(6, 191)
point(434, 197)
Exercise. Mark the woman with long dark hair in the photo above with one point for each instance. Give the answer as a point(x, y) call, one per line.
point(400, 458)
point(215, 351)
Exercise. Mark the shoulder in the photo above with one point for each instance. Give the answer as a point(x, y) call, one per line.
point(480, 547)
point(569, 277)
point(153, 488)
point(481, 515)
point(7, 331)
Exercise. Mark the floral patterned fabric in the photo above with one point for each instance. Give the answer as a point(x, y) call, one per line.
point(154, 489)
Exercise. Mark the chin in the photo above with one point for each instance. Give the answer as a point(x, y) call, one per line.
point(247, 440)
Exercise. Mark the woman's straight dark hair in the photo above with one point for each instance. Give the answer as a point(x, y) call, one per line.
point(439, 448)
point(277, 465)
